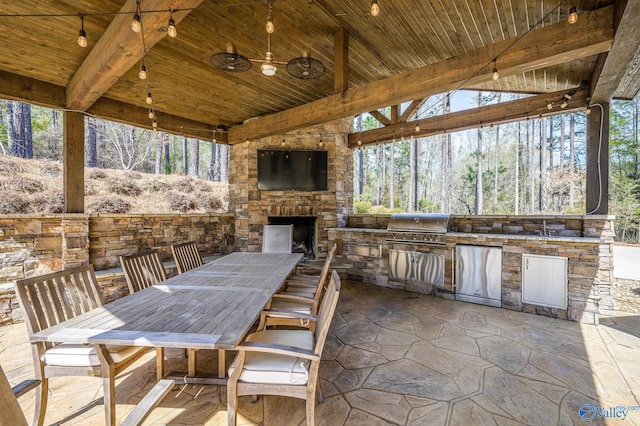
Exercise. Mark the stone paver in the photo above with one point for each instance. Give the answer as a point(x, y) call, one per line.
point(398, 358)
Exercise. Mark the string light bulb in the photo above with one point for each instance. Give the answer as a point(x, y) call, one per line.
point(375, 9)
point(588, 111)
point(417, 128)
point(171, 28)
point(213, 139)
point(359, 142)
point(82, 35)
point(143, 72)
point(151, 114)
point(136, 26)
point(270, 27)
point(495, 76)
point(154, 123)
point(573, 15)
point(563, 104)
point(149, 99)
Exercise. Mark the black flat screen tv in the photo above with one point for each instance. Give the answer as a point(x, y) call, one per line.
point(281, 170)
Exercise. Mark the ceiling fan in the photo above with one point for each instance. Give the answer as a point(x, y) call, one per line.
point(303, 67)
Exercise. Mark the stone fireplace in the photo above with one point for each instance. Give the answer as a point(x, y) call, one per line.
point(254, 208)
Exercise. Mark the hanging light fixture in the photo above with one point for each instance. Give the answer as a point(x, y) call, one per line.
point(375, 9)
point(213, 139)
point(417, 128)
point(149, 99)
point(151, 114)
point(267, 67)
point(270, 27)
point(573, 15)
point(171, 28)
point(136, 25)
point(82, 35)
point(495, 76)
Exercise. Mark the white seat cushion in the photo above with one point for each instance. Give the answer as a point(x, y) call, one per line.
point(273, 368)
point(78, 355)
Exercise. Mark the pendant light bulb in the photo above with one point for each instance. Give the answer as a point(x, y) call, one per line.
point(495, 76)
point(171, 28)
point(143, 72)
point(375, 9)
point(573, 15)
point(149, 99)
point(136, 26)
point(82, 35)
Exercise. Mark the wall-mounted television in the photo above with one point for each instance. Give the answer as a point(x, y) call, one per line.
point(281, 170)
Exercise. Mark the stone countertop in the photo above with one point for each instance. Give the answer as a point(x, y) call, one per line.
point(471, 235)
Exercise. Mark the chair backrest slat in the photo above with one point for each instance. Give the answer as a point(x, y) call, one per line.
point(142, 270)
point(326, 311)
point(186, 256)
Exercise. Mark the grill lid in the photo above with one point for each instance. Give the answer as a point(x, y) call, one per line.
point(432, 223)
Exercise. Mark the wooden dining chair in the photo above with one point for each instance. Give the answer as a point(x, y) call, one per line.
point(142, 270)
point(277, 238)
point(12, 414)
point(283, 362)
point(308, 284)
point(50, 299)
point(186, 256)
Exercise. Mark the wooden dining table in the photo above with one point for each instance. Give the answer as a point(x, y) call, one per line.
point(209, 307)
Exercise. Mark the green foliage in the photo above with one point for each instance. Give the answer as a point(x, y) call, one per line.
point(430, 206)
point(362, 207)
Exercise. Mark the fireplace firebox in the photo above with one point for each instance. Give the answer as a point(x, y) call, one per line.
point(304, 232)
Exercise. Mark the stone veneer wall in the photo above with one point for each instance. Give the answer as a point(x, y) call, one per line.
point(38, 244)
point(252, 207)
point(585, 240)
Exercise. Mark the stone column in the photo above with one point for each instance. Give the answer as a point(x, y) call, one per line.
point(75, 240)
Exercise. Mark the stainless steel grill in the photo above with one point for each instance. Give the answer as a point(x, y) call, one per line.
point(418, 228)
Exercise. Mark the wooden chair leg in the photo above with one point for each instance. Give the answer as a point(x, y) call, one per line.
point(311, 405)
point(232, 403)
point(40, 406)
point(160, 363)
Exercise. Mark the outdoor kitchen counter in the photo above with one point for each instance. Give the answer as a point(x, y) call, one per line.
point(560, 238)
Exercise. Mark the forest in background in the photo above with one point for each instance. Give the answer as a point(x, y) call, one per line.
point(535, 166)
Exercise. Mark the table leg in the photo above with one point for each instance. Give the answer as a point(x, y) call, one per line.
point(191, 362)
point(160, 363)
point(222, 363)
point(108, 384)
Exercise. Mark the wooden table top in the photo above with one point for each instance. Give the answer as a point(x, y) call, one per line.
point(210, 307)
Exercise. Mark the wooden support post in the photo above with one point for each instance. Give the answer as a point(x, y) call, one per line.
point(598, 160)
point(73, 165)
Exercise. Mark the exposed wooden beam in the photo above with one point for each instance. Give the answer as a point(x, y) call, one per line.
point(394, 113)
point(505, 112)
point(411, 109)
point(383, 119)
point(36, 92)
point(619, 74)
point(541, 48)
point(341, 77)
point(120, 48)
point(29, 90)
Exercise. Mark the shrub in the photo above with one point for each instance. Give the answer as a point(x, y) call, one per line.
point(49, 204)
point(185, 184)
point(96, 174)
point(362, 207)
point(203, 186)
point(124, 187)
point(108, 204)
point(181, 202)
point(14, 205)
point(131, 174)
point(8, 164)
point(157, 186)
point(23, 184)
point(210, 203)
point(50, 168)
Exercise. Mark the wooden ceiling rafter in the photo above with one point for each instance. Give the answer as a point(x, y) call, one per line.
point(119, 48)
point(591, 35)
point(505, 112)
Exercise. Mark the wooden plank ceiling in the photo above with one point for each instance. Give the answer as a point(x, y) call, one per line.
point(188, 91)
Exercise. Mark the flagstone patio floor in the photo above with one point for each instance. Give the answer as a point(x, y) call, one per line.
point(394, 357)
